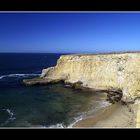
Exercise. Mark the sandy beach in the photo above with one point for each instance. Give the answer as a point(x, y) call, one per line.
point(113, 116)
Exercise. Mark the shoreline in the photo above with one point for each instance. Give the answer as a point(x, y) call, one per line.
point(113, 116)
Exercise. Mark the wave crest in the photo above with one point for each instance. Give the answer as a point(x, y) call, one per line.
point(18, 75)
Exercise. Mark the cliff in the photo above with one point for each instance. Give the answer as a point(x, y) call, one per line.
point(97, 71)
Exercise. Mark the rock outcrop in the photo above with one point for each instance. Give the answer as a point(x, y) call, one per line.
point(98, 71)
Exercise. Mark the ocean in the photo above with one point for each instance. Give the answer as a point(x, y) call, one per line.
point(49, 106)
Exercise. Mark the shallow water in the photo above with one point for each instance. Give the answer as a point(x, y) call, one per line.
point(40, 106)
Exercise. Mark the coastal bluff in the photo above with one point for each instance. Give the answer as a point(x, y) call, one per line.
point(96, 71)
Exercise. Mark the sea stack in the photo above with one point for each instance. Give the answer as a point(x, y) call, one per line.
point(97, 71)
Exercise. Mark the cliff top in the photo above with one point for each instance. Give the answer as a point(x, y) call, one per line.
point(109, 53)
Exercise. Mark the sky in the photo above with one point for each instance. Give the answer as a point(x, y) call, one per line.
point(69, 32)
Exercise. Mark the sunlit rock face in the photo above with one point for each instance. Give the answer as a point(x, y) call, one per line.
point(100, 71)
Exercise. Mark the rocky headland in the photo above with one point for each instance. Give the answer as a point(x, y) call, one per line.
point(118, 74)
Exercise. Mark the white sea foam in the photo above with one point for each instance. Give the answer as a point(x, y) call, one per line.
point(9, 112)
point(11, 116)
point(83, 115)
point(77, 119)
point(18, 75)
point(59, 125)
point(102, 104)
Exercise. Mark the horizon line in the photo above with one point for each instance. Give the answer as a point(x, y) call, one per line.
point(51, 52)
point(70, 11)
point(138, 51)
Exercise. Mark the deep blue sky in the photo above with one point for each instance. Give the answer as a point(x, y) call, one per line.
point(69, 32)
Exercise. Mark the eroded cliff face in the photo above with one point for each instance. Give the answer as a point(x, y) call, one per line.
point(100, 71)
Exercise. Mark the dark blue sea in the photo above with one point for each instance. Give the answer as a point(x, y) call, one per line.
point(48, 106)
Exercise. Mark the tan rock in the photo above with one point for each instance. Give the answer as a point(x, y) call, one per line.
point(100, 71)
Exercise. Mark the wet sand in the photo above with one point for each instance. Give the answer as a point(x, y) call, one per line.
point(113, 116)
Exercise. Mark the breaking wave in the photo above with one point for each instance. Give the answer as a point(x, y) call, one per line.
point(59, 125)
point(83, 115)
point(18, 75)
point(77, 119)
